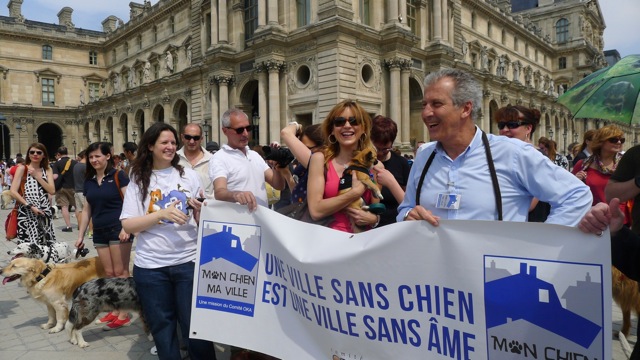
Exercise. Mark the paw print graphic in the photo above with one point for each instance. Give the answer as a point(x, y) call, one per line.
point(515, 347)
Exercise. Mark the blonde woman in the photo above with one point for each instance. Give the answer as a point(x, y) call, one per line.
point(596, 170)
point(346, 131)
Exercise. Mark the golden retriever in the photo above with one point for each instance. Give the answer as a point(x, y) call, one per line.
point(52, 284)
point(626, 295)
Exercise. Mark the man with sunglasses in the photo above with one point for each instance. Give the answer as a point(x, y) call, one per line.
point(239, 173)
point(469, 175)
point(194, 156)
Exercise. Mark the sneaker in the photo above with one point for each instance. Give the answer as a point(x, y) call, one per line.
point(154, 350)
point(67, 229)
point(106, 319)
point(117, 324)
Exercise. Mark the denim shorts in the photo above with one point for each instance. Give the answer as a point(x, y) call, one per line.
point(108, 235)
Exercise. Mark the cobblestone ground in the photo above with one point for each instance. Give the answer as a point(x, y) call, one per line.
point(22, 338)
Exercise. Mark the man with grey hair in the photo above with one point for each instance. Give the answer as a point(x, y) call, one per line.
point(478, 176)
point(194, 156)
point(239, 173)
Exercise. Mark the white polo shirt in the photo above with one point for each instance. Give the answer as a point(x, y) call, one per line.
point(243, 172)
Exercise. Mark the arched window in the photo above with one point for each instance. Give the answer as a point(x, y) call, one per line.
point(562, 30)
point(47, 52)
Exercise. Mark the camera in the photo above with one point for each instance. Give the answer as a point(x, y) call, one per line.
point(282, 156)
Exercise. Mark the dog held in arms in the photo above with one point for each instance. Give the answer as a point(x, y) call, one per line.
point(361, 162)
point(98, 295)
point(52, 284)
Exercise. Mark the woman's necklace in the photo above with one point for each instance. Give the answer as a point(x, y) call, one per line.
point(605, 169)
point(342, 165)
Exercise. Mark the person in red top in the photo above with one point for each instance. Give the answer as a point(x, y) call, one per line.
point(596, 170)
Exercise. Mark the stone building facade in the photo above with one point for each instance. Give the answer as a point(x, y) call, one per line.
point(182, 61)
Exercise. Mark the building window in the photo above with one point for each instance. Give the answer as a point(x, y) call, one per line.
point(48, 92)
point(172, 24)
point(303, 12)
point(250, 18)
point(207, 30)
point(474, 60)
point(47, 52)
point(412, 16)
point(155, 33)
point(489, 29)
point(473, 20)
point(365, 12)
point(516, 45)
point(139, 42)
point(526, 50)
point(562, 31)
point(504, 37)
point(536, 55)
point(93, 57)
point(94, 91)
point(156, 71)
point(562, 62)
point(126, 49)
point(113, 55)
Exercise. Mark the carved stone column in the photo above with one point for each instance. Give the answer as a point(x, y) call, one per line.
point(273, 13)
point(223, 87)
point(394, 65)
point(215, 111)
point(445, 23)
point(405, 128)
point(262, 13)
point(392, 12)
point(262, 102)
point(437, 20)
point(223, 34)
point(214, 22)
point(274, 67)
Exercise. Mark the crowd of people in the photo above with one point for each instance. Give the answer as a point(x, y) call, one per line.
point(463, 173)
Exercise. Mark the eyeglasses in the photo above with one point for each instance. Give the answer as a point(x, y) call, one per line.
point(192, 137)
point(510, 124)
point(241, 130)
point(614, 140)
point(341, 121)
point(35, 152)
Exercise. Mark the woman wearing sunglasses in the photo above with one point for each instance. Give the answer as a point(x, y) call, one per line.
point(519, 122)
point(346, 131)
point(34, 208)
point(596, 170)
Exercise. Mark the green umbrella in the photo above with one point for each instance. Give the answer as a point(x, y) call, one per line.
point(610, 93)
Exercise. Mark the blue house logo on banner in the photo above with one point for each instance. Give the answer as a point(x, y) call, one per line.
point(544, 300)
point(228, 269)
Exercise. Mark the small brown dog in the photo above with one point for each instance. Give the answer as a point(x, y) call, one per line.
point(626, 295)
point(361, 162)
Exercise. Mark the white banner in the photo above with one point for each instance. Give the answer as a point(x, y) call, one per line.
point(462, 290)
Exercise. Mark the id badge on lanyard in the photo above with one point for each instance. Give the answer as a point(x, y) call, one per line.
point(448, 201)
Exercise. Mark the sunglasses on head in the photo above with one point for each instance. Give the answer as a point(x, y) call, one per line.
point(614, 140)
point(35, 152)
point(341, 121)
point(241, 130)
point(192, 137)
point(510, 124)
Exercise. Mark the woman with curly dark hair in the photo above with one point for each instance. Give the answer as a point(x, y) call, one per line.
point(156, 208)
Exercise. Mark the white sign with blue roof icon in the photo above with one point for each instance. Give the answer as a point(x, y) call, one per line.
point(228, 267)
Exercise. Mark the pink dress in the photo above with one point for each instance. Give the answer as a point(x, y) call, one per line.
point(341, 219)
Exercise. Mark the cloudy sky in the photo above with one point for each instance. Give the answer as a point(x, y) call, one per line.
point(621, 17)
